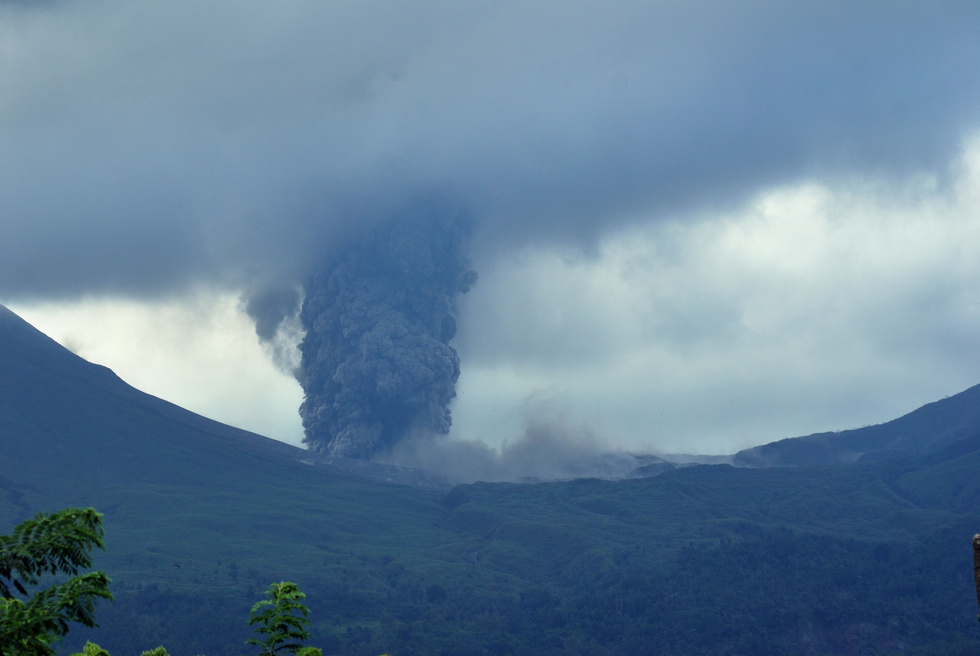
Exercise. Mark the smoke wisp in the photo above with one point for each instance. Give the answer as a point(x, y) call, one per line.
point(550, 448)
point(376, 360)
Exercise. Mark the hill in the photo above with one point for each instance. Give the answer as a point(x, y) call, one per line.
point(871, 557)
point(931, 427)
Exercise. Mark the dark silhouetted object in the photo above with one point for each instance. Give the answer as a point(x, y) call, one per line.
point(976, 567)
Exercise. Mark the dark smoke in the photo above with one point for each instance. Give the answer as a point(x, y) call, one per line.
point(376, 361)
point(269, 307)
point(274, 309)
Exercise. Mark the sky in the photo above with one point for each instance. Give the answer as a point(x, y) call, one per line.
point(698, 226)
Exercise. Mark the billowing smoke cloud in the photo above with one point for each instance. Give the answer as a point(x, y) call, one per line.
point(376, 360)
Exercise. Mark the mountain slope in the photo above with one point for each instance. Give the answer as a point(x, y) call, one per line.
point(70, 429)
point(931, 427)
point(74, 409)
point(201, 517)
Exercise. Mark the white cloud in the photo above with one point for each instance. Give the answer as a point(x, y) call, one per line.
point(199, 351)
point(813, 307)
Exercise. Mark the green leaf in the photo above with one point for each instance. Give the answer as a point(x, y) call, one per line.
point(58, 543)
point(282, 619)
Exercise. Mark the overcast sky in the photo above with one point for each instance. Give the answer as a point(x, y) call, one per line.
point(698, 226)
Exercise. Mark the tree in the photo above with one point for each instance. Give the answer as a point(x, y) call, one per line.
point(92, 649)
point(58, 543)
point(282, 618)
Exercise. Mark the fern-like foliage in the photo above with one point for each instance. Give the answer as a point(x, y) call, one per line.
point(282, 619)
point(159, 651)
point(91, 649)
point(56, 544)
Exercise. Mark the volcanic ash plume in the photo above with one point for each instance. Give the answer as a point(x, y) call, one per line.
point(376, 361)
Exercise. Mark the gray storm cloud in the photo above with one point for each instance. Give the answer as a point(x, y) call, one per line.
point(376, 360)
point(152, 147)
point(148, 148)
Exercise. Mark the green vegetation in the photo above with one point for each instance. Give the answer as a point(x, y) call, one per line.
point(59, 543)
point(747, 588)
point(282, 619)
point(92, 649)
point(713, 560)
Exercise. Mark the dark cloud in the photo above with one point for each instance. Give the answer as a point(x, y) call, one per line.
point(147, 148)
point(270, 306)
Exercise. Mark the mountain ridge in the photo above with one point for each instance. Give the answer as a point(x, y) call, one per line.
point(927, 428)
point(710, 559)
